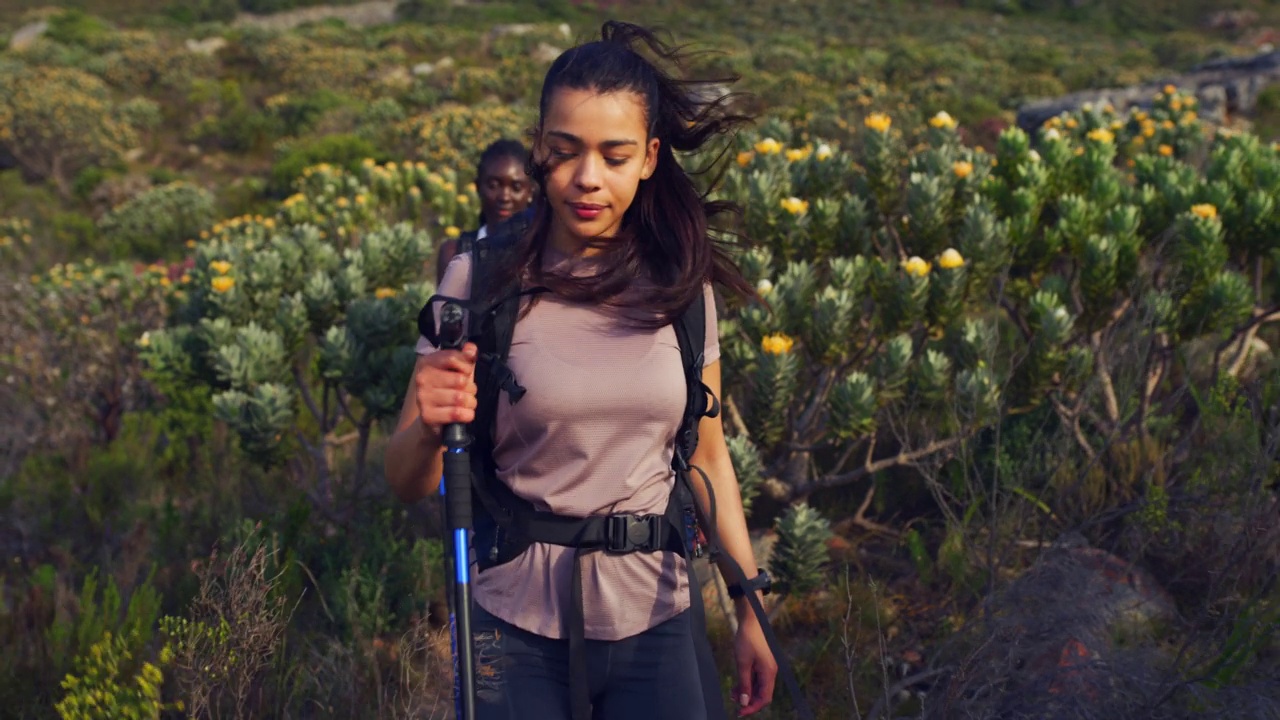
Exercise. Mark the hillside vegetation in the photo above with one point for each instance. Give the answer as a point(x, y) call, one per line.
point(1006, 429)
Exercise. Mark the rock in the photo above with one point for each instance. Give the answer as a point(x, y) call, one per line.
point(1223, 88)
point(208, 46)
point(133, 155)
point(565, 31)
point(511, 29)
point(545, 54)
point(25, 36)
point(423, 69)
point(1232, 20)
point(1080, 628)
point(365, 14)
point(445, 63)
point(396, 77)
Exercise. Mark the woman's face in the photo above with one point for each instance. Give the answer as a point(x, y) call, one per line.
point(597, 149)
point(504, 189)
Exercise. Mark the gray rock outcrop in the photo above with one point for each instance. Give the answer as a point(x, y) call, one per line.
point(1223, 88)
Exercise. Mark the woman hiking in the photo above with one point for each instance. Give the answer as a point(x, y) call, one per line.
point(504, 189)
point(587, 422)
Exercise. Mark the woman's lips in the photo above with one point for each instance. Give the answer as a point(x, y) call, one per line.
point(586, 211)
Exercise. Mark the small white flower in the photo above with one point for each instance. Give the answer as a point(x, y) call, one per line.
point(764, 287)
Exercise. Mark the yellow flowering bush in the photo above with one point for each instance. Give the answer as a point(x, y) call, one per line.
point(57, 121)
point(109, 683)
point(452, 136)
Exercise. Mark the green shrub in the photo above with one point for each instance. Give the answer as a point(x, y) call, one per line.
point(157, 222)
point(345, 151)
point(75, 27)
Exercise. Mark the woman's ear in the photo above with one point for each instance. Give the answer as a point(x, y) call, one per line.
point(650, 158)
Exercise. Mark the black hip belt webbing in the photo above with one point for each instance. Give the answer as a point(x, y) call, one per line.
point(616, 534)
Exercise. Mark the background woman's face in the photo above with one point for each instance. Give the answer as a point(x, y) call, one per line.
point(504, 189)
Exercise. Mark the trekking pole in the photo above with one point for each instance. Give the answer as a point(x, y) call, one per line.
point(457, 482)
point(449, 591)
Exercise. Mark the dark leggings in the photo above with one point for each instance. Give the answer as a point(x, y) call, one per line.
point(523, 676)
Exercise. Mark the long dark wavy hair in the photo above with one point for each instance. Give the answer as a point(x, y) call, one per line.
point(666, 233)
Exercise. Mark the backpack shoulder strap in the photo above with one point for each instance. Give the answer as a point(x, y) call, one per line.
point(691, 336)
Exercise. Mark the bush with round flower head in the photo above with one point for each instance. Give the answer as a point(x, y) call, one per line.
point(926, 289)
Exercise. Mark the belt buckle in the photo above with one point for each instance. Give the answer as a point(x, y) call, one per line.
point(631, 533)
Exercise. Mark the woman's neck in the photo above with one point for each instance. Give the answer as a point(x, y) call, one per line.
point(566, 244)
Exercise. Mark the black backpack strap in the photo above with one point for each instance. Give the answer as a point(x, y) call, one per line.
point(691, 336)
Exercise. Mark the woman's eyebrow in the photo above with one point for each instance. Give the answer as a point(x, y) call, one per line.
point(570, 137)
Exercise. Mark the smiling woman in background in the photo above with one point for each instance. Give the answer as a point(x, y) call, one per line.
point(504, 189)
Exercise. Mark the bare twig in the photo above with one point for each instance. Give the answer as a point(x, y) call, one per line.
point(310, 402)
point(884, 704)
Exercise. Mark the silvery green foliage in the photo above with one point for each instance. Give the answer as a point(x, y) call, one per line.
point(747, 467)
point(798, 560)
point(289, 320)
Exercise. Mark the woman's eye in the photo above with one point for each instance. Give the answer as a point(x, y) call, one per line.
point(561, 154)
point(615, 162)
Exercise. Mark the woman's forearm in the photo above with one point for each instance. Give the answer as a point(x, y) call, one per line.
point(414, 461)
point(730, 521)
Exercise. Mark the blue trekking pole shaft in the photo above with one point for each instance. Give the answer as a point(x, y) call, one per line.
point(449, 590)
point(457, 499)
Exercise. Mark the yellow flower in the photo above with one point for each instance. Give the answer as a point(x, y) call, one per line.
point(1168, 124)
point(950, 259)
point(342, 202)
point(222, 267)
point(1165, 150)
point(795, 205)
point(165, 282)
point(223, 283)
point(463, 199)
point(797, 154)
point(1071, 123)
point(764, 287)
point(776, 344)
point(1052, 134)
point(1148, 131)
point(1204, 211)
point(745, 157)
point(1101, 135)
point(768, 146)
point(916, 266)
point(383, 293)
point(191, 243)
point(824, 152)
point(1188, 117)
point(1170, 89)
point(962, 168)
point(878, 121)
point(145, 340)
point(943, 121)
point(452, 231)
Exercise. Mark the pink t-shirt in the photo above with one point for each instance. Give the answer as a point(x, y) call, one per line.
point(593, 435)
